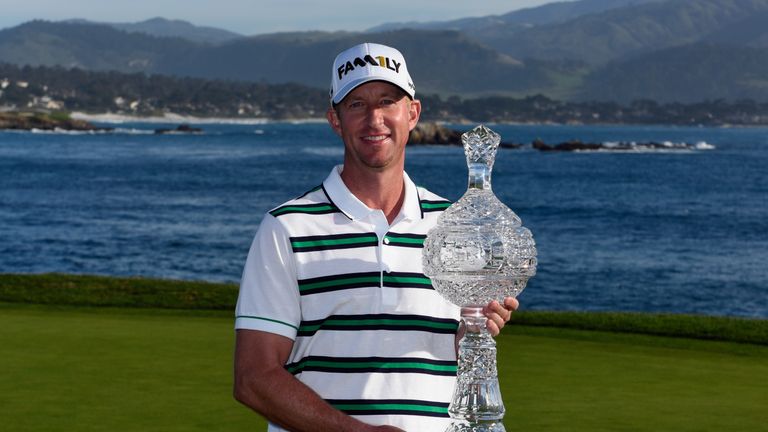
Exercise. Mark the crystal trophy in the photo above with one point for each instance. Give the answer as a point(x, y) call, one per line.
point(478, 252)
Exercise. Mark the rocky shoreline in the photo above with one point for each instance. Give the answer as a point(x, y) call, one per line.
point(435, 134)
point(44, 121)
point(426, 133)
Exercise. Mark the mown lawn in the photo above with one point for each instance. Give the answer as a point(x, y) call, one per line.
point(84, 353)
point(132, 369)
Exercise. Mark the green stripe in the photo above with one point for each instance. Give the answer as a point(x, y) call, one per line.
point(387, 407)
point(267, 319)
point(369, 322)
point(315, 243)
point(325, 284)
point(435, 205)
point(302, 209)
point(405, 240)
point(407, 279)
point(382, 365)
point(372, 364)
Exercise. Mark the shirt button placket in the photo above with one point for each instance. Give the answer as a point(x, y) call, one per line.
point(389, 294)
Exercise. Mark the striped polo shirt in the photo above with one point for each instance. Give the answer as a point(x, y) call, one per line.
point(371, 335)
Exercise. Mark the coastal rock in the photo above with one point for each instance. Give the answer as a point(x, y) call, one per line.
point(572, 145)
point(576, 145)
point(433, 133)
point(44, 121)
point(183, 129)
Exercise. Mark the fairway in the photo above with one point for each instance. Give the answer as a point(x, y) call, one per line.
point(110, 369)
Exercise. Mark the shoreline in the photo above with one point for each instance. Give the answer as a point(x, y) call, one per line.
point(173, 118)
point(179, 118)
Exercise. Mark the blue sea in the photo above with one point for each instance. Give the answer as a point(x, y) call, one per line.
point(660, 231)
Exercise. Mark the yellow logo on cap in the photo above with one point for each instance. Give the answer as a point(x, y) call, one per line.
point(383, 61)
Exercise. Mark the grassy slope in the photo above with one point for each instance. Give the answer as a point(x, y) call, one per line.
point(85, 290)
point(130, 369)
point(94, 369)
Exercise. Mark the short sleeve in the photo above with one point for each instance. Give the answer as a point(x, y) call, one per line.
point(269, 294)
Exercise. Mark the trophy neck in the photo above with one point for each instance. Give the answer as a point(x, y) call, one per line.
point(480, 145)
point(479, 176)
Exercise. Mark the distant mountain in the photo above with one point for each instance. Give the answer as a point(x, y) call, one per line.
point(751, 32)
point(624, 32)
point(493, 25)
point(86, 46)
point(686, 50)
point(688, 73)
point(304, 58)
point(173, 28)
point(276, 58)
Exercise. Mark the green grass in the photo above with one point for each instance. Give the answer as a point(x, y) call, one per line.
point(87, 290)
point(69, 366)
point(114, 370)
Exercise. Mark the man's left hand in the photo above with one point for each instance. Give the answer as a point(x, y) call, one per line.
point(499, 314)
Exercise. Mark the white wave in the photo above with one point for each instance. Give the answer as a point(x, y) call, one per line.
point(324, 151)
point(133, 131)
point(648, 147)
point(59, 131)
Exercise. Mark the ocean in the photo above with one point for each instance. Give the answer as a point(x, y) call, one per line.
point(682, 231)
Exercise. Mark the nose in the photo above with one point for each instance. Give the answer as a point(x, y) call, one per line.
point(375, 116)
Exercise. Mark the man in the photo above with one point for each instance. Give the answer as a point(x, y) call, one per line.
point(337, 327)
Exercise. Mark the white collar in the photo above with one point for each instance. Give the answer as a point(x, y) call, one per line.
point(351, 206)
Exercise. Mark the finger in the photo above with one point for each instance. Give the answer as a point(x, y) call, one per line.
point(511, 304)
point(502, 311)
point(496, 318)
point(493, 326)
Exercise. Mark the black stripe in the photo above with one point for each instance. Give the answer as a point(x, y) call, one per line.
point(341, 282)
point(379, 322)
point(418, 196)
point(305, 209)
point(446, 367)
point(421, 282)
point(341, 403)
point(316, 188)
point(427, 209)
point(328, 197)
point(372, 240)
point(407, 236)
point(387, 401)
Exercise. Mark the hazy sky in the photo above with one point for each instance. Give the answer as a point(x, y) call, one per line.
point(251, 17)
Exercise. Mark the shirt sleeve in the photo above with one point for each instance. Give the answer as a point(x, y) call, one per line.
point(269, 294)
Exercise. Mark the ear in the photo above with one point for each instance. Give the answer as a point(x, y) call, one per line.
point(414, 112)
point(333, 119)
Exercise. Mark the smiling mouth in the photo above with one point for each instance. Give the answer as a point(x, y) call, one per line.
point(375, 138)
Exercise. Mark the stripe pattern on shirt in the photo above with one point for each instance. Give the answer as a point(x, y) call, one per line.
point(349, 337)
point(390, 406)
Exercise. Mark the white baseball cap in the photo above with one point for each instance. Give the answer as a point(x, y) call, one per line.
point(368, 62)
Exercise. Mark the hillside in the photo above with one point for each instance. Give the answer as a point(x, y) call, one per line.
point(45, 89)
point(514, 21)
point(624, 32)
point(87, 46)
point(162, 27)
point(433, 60)
point(608, 50)
point(685, 74)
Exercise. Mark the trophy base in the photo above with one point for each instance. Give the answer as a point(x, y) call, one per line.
point(457, 426)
